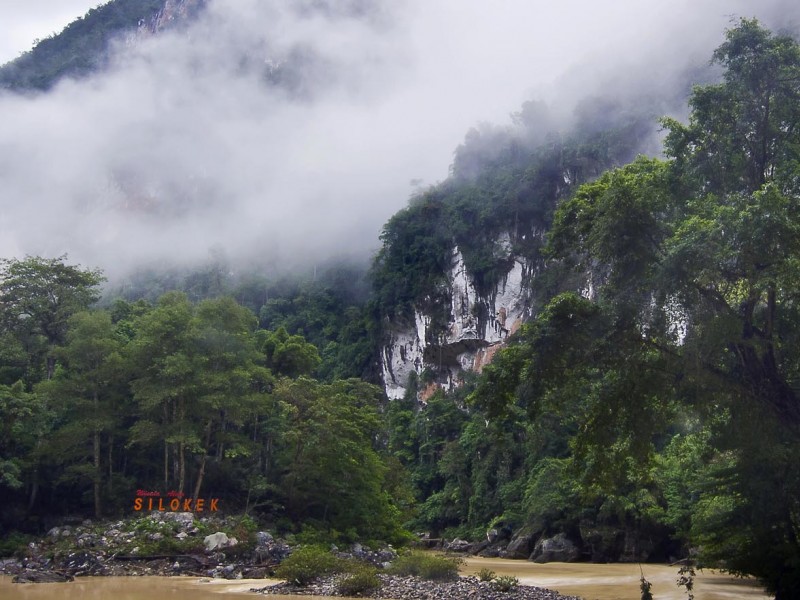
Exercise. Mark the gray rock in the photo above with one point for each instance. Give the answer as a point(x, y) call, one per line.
point(182, 535)
point(155, 536)
point(184, 519)
point(521, 546)
point(603, 544)
point(636, 548)
point(86, 540)
point(216, 541)
point(263, 538)
point(41, 577)
point(555, 549)
point(458, 545)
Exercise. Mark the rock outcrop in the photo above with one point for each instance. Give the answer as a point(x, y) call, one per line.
point(443, 342)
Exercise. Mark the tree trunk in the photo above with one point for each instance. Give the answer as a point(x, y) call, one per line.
point(97, 473)
point(201, 473)
point(181, 466)
point(110, 462)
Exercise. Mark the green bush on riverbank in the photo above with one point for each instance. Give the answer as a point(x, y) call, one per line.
point(426, 566)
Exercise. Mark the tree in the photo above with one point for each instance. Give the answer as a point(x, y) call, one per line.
point(164, 383)
point(37, 298)
point(87, 393)
point(332, 473)
point(695, 270)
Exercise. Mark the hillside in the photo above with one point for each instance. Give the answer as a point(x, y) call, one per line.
point(84, 46)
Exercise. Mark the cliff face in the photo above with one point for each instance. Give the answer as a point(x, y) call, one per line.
point(173, 13)
point(438, 353)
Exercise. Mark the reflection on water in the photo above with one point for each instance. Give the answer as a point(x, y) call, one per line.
point(592, 582)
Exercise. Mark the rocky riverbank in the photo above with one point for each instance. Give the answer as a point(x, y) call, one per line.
point(170, 544)
point(161, 543)
point(414, 588)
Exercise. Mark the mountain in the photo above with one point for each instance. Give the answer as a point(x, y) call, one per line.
point(462, 268)
point(85, 46)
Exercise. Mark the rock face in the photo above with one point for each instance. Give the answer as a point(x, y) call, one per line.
point(521, 546)
point(174, 12)
point(555, 549)
point(476, 327)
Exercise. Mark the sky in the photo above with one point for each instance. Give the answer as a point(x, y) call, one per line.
point(180, 150)
point(23, 21)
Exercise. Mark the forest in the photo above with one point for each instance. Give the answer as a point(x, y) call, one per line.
point(651, 414)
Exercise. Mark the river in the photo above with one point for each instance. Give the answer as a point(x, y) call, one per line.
point(590, 581)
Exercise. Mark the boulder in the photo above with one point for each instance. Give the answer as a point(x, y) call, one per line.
point(218, 541)
point(263, 538)
point(458, 545)
point(555, 549)
point(521, 546)
point(636, 548)
point(603, 543)
point(30, 576)
point(184, 519)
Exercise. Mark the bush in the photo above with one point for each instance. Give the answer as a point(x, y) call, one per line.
point(361, 581)
point(15, 544)
point(505, 583)
point(427, 566)
point(306, 564)
point(486, 574)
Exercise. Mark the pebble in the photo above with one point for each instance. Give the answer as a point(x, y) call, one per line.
point(413, 588)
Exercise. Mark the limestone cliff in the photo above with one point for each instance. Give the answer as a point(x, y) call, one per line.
point(437, 353)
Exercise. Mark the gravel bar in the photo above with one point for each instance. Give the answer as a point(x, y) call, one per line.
point(413, 588)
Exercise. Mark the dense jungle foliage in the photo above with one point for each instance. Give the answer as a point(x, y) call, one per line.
point(656, 415)
point(174, 395)
point(662, 409)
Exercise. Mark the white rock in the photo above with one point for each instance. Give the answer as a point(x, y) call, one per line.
point(215, 541)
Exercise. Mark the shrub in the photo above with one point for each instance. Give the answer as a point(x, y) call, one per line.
point(306, 564)
point(360, 581)
point(427, 566)
point(15, 544)
point(505, 583)
point(486, 574)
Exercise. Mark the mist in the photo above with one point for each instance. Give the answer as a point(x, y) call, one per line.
point(287, 133)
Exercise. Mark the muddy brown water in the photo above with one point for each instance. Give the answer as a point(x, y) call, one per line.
point(593, 582)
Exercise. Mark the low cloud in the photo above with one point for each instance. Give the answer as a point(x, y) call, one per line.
point(290, 135)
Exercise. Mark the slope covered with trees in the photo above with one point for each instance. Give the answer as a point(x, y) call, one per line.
point(660, 411)
point(82, 48)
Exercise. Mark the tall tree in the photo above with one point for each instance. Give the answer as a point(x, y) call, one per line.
point(88, 393)
point(37, 297)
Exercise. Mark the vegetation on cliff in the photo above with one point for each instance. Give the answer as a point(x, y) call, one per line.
point(82, 48)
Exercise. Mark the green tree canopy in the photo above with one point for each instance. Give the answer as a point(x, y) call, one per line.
point(690, 308)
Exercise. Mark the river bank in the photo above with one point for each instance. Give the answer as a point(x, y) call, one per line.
point(175, 545)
